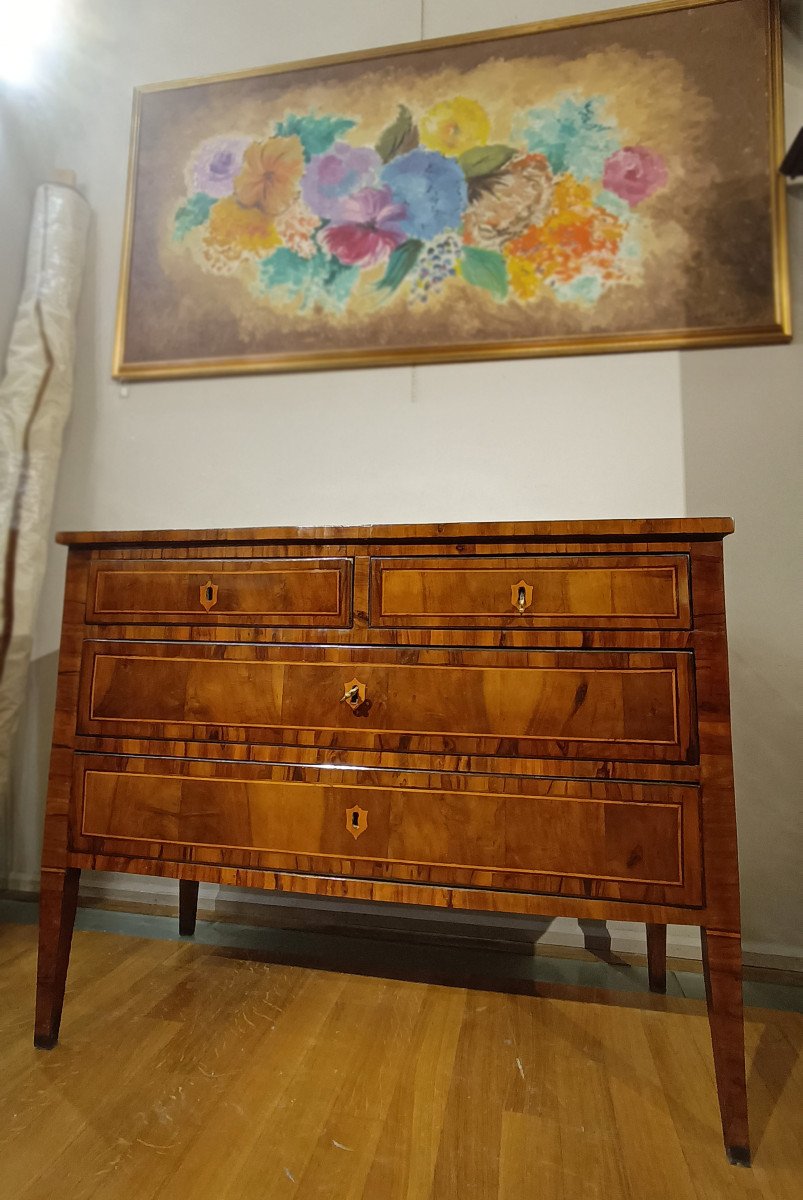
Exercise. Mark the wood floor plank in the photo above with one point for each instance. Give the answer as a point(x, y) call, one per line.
point(467, 1165)
point(139, 1130)
point(680, 1045)
point(328, 1069)
point(188, 1072)
point(591, 1147)
point(347, 1145)
point(653, 1162)
point(56, 1103)
point(251, 1097)
point(531, 1159)
point(406, 1153)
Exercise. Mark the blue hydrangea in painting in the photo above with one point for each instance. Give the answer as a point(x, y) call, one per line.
point(432, 189)
point(312, 217)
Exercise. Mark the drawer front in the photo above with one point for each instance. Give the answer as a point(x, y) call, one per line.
point(300, 592)
point(594, 592)
point(586, 704)
point(625, 841)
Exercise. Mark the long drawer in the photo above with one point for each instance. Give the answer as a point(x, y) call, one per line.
point(297, 592)
point(536, 591)
point(588, 704)
point(623, 841)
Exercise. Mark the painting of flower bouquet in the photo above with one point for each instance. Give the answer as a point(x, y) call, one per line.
point(568, 189)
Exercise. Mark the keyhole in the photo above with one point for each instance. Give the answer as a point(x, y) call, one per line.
point(209, 593)
point(355, 820)
point(522, 597)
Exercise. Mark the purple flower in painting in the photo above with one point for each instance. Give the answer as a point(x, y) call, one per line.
point(368, 229)
point(332, 177)
point(431, 187)
point(634, 173)
point(215, 164)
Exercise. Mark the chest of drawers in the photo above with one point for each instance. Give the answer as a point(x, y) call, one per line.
point(522, 718)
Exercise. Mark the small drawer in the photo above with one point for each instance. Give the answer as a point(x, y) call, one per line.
point(556, 591)
point(624, 841)
point(300, 592)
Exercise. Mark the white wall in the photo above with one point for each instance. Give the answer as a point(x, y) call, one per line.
point(574, 437)
point(743, 429)
point(18, 174)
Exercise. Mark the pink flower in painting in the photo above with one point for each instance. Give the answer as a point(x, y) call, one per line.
point(368, 228)
point(634, 173)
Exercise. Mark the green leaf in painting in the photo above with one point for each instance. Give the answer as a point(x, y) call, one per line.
point(400, 263)
point(485, 269)
point(316, 134)
point(399, 137)
point(484, 160)
point(193, 212)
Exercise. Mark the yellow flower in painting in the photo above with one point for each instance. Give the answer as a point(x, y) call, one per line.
point(571, 194)
point(524, 279)
point(453, 126)
point(270, 175)
point(235, 233)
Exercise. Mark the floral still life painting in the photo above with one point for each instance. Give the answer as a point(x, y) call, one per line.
point(562, 189)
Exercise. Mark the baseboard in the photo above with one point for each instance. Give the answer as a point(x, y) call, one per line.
point(622, 937)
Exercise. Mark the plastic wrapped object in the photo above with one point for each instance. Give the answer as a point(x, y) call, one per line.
point(35, 401)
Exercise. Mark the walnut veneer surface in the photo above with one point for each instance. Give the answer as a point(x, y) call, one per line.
point(515, 718)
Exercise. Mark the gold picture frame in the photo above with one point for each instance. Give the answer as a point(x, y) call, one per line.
point(441, 201)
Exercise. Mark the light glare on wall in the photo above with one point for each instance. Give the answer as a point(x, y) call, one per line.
point(26, 27)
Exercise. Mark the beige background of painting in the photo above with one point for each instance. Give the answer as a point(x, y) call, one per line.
point(668, 82)
point(618, 435)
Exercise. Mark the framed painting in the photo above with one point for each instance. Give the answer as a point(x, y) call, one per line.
point(600, 183)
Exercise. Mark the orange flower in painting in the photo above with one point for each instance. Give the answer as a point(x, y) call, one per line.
point(578, 236)
point(296, 226)
point(235, 233)
point(270, 175)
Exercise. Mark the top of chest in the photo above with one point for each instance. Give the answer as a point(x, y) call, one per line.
point(483, 532)
point(554, 575)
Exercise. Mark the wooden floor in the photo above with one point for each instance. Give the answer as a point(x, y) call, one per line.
point(196, 1071)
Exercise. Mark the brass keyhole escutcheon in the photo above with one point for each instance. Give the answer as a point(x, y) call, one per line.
point(521, 596)
point(354, 694)
point(356, 820)
point(208, 595)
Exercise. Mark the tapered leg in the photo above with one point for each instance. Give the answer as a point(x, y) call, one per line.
point(58, 900)
point(187, 906)
point(656, 957)
point(722, 965)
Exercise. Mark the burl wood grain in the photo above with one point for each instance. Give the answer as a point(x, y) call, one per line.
point(557, 591)
point(275, 592)
point(565, 752)
point(629, 705)
point(489, 838)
